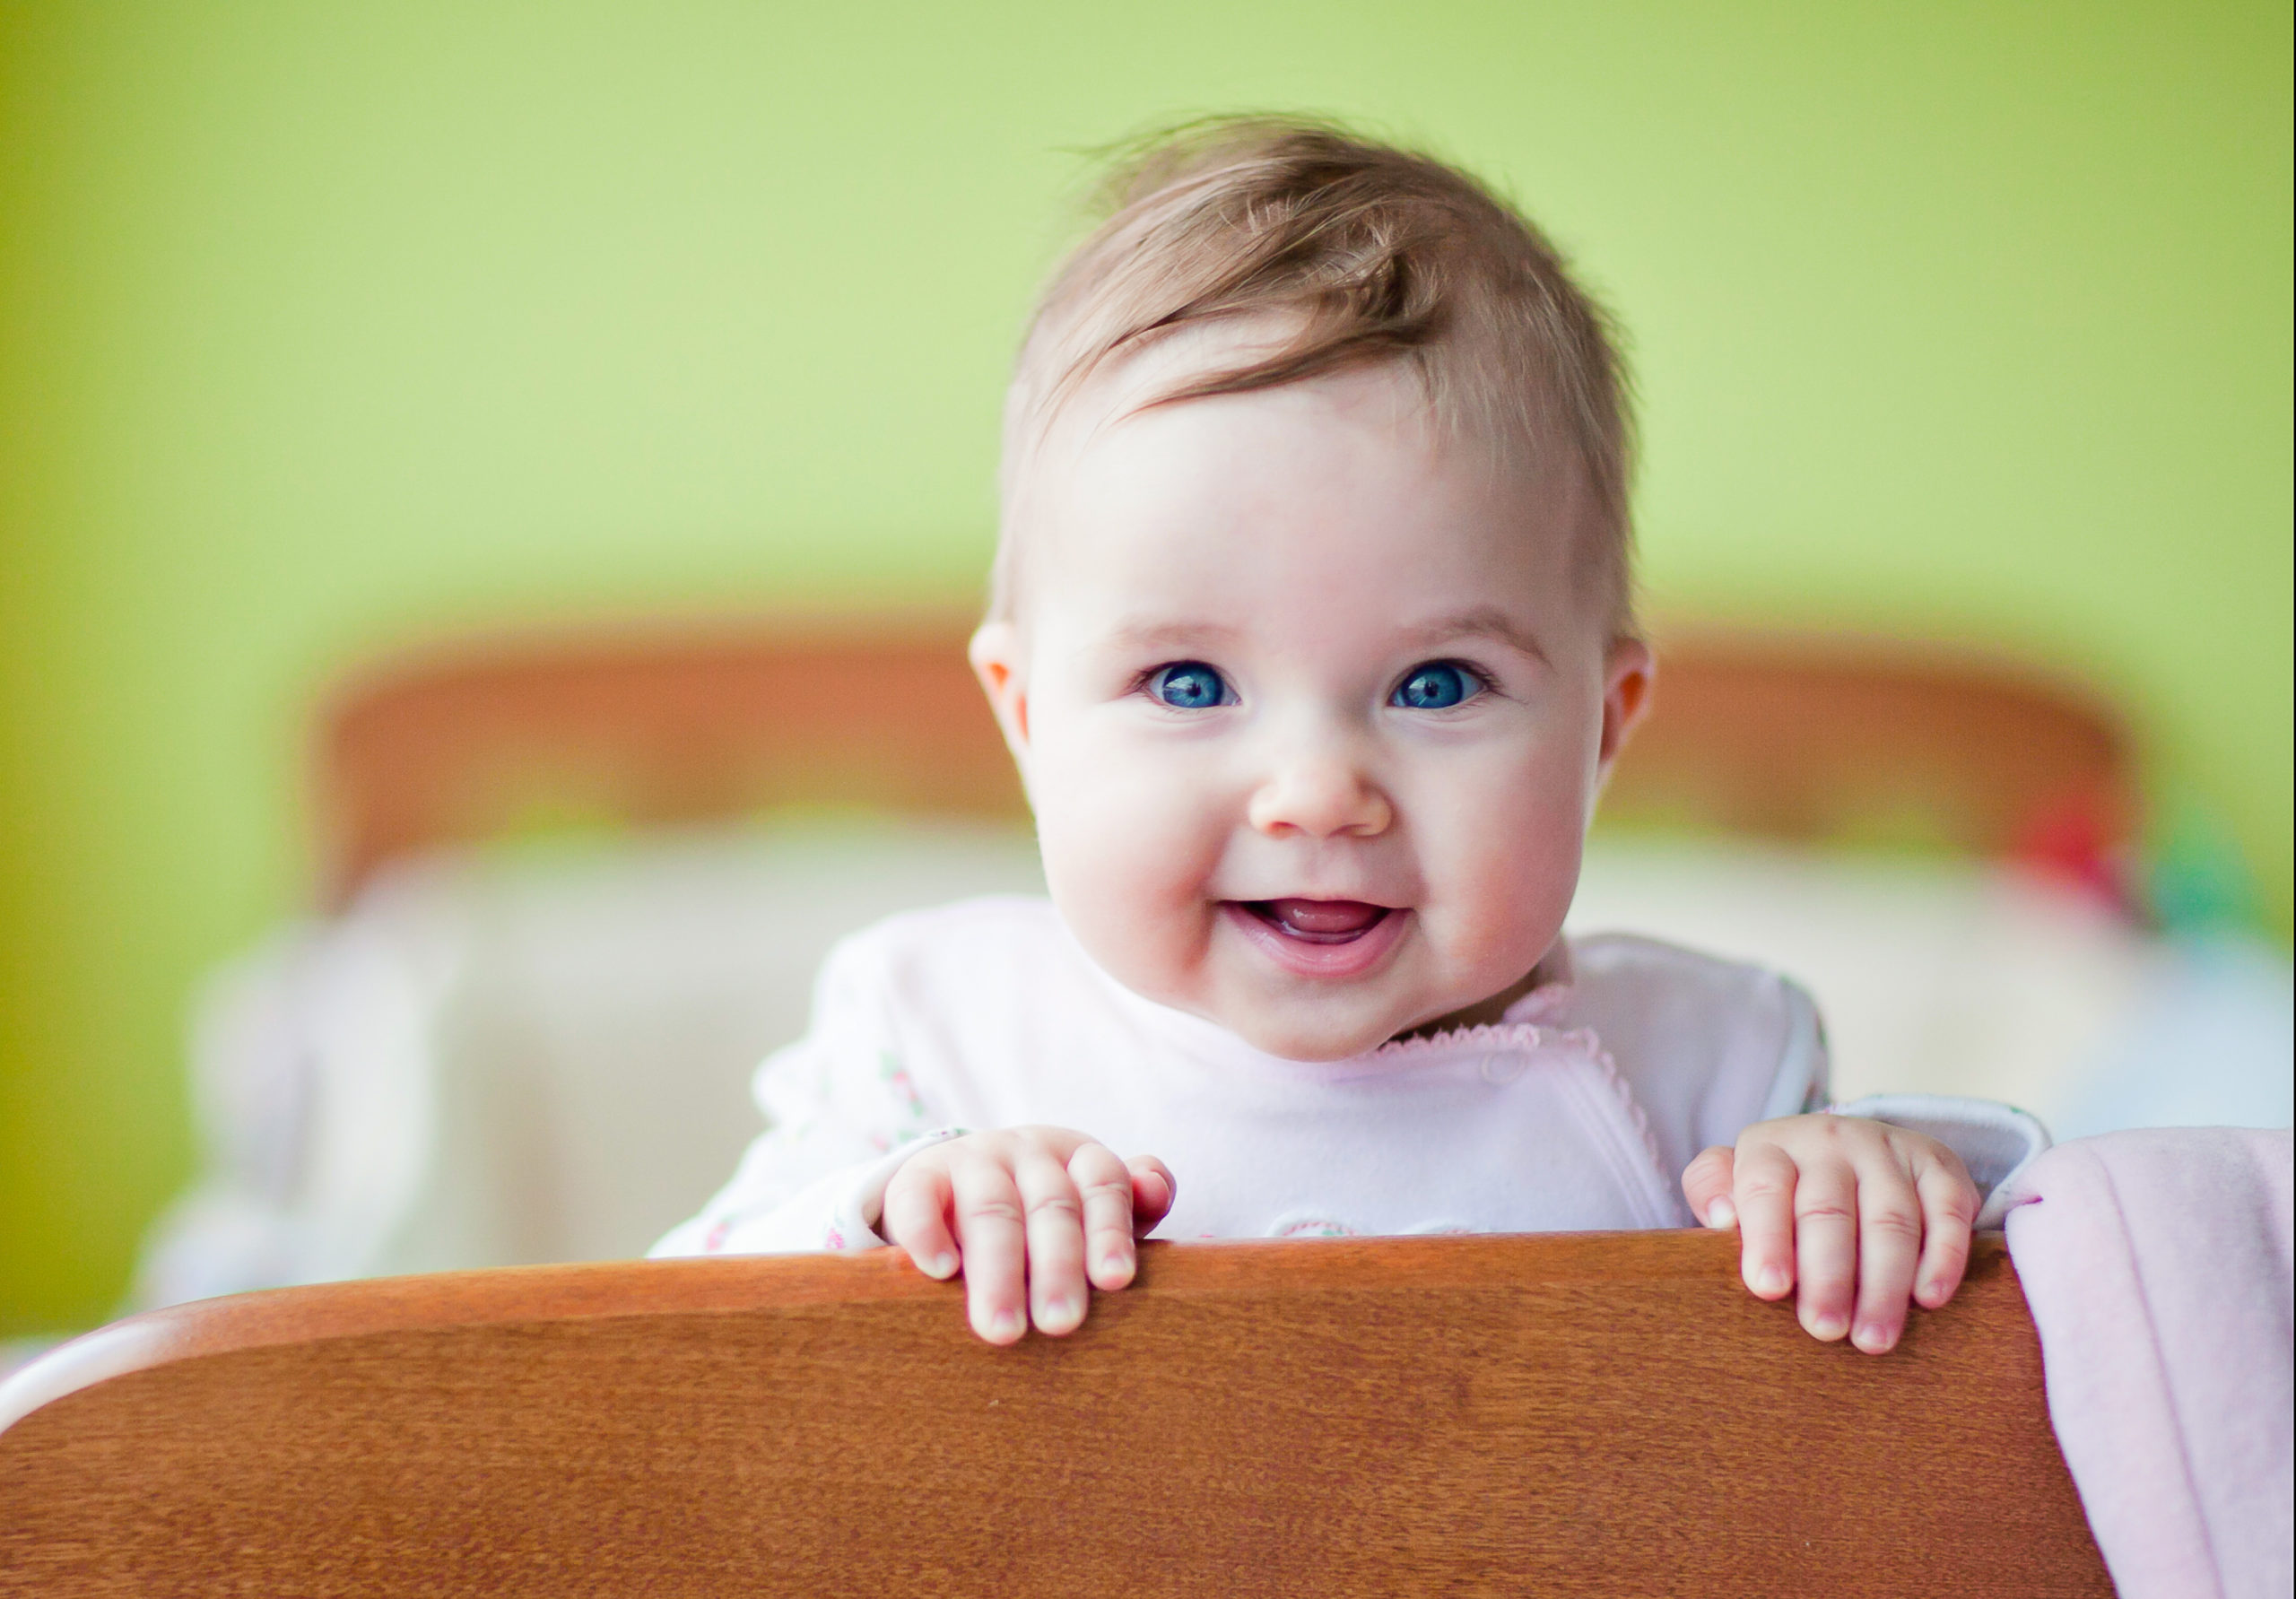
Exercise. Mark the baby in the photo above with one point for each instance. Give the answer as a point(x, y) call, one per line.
point(1311, 634)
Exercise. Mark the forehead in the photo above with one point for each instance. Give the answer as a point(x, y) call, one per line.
point(1337, 492)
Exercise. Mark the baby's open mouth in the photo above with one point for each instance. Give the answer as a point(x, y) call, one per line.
point(1320, 940)
point(1318, 921)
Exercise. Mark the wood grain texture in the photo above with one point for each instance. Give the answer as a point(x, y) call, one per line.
point(1798, 740)
point(1574, 1415)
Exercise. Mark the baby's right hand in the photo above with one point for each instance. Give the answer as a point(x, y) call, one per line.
point(1027, 1214)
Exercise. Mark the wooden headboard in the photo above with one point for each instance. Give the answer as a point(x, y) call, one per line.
point(1564, 1415)
point(1782, 738)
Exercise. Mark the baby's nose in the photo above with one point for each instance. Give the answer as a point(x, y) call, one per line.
point(1323, 799)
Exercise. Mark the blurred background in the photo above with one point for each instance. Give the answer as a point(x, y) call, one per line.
point(331, 333)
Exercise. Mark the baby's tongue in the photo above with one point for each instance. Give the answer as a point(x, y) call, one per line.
point(1324, 918)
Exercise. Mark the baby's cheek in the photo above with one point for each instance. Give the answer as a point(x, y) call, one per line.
point(1128, 862)
point(1502, 873)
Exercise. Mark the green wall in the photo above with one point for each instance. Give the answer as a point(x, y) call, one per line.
point(323, 327)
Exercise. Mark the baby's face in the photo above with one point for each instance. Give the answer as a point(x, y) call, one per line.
point(1311, 706)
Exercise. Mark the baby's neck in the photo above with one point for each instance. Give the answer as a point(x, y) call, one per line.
point(1484, 1013)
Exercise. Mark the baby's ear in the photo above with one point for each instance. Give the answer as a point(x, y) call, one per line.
point(1627, 678)
point(997, 661)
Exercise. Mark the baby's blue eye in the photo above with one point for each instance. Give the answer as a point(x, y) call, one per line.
point(1439, 685)
point(1189, 685)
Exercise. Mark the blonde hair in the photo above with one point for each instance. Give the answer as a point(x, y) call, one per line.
point(1364, 252)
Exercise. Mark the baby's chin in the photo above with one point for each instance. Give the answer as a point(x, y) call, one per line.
point(1298, 1021)
point(1312, 1027)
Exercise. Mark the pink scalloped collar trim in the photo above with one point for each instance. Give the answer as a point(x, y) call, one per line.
point(1482, 1034)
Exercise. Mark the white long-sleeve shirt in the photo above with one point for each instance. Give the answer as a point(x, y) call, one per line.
point(1577, 1112)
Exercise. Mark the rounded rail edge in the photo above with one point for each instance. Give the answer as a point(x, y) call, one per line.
point(545, 1293)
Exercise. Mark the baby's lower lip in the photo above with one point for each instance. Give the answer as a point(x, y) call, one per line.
point(1322, 938)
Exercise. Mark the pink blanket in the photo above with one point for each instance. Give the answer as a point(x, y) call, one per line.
point(2158, 1267)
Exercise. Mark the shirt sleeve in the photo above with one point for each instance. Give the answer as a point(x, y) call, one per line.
point(1803, 1082)
point(1996, 1142)
point(842, 1115)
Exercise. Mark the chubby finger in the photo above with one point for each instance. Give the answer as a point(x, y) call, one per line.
point(1762, 1188)
point(916, 1217)
point(990, 1235)
point(1825, 1242)
point(1104, 1185)
point(1889, 1245)
point(1055, 1215)
point(1949, 1208)
point(1153, 1190)
point(1706, 1184)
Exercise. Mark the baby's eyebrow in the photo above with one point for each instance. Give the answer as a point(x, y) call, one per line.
point(1479, 621)
point(1150, 633)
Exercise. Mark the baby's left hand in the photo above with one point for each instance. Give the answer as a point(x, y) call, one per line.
point(1858, 1212)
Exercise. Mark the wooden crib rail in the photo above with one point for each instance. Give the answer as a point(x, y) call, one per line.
point(1564, 1415)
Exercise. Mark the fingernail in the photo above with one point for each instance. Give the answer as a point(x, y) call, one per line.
point(1771, 1280)
point(940, 1266)
point(1721, 1213)
point(1006, 1325)
point(1871, 1339)
point(1114, 1265)
point(1828, 1327)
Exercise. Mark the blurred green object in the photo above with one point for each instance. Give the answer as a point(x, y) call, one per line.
point(2198, 879)
point(326, 327)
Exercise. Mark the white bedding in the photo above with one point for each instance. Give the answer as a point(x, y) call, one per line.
point(542, 1054)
